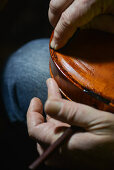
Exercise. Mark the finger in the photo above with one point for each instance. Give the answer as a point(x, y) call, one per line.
point(53, 92)
point(102, 22)
point(34, 115)
point(53, 89)
point(76, 15)
point(78, 114)
point(57, 122)
point(40, 149)
point(38, 129)
point(56, 8)
point(86, 141)
point(47, 133)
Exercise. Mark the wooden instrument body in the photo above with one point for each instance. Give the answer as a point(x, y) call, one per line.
point(84, 69)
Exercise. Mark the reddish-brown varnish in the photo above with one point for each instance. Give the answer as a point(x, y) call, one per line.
point(84, 69)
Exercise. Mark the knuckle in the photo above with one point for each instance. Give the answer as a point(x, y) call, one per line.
point(72, 114)
point(66, 20)
point(57, 35)
point(53, 8)
point(70, 111)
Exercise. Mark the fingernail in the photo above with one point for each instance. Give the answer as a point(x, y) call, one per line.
point(54, 45)
point(32, 102)
point(52, 107)
point(49, 82)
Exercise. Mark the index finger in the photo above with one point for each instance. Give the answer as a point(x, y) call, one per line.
point(75, 16)
point(56, 7)
point(34, 115)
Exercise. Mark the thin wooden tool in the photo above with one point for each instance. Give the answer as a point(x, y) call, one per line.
point(52, 148)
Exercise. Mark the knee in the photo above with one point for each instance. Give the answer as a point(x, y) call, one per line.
point(24, 76)
point(28, 67)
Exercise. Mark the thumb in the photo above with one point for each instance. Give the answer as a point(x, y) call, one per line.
point(76, 114)
point(76, 15)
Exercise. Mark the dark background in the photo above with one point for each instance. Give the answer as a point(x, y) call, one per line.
point(20, 21)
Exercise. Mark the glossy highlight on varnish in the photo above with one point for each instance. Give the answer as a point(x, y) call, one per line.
point(84, 69)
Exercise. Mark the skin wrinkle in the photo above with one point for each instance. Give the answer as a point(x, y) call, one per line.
point(78, 14)
point(92, 11)
point(70, 16)
point(53, 9)
point(50, 130)
point(94, 125)
point(34, 123)
point(100, 120)
point(78, 141)
point(78, 116)
point(68, 114)
point(102, 132)
point(80, 144)
point(102, 128)
point(42, 131)
point(56, 9)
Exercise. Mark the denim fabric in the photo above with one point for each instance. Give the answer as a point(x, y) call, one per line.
point(24, 77)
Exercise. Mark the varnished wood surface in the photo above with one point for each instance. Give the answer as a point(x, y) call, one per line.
point(84, 69)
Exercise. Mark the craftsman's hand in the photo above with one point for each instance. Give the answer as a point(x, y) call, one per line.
point(92, 148)
point(67, 15)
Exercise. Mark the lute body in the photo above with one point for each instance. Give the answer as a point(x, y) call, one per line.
point(84, 69)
